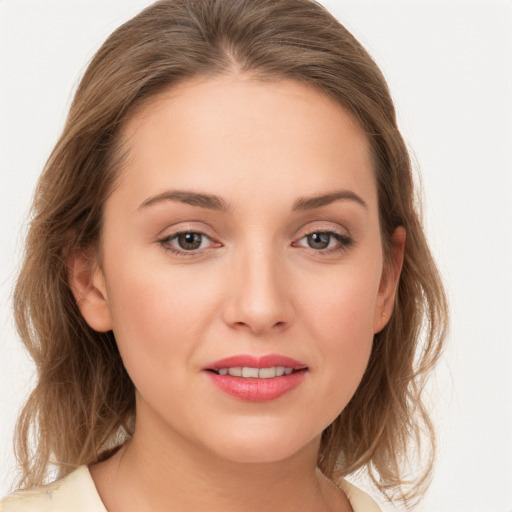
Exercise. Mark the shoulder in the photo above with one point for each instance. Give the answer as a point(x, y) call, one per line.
point(76, 492)
point(359, 500)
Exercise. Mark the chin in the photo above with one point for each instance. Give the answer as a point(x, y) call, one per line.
point(262, 446)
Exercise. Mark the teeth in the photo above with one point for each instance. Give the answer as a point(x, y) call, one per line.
point(255, 373)
point(267, 373)
point(250, 372)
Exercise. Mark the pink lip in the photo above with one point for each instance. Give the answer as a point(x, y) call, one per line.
point(255, 389)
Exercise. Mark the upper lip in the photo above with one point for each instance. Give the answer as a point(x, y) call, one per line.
point(250, 361)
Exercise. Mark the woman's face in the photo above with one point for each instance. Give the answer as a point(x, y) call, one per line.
point(243, 237)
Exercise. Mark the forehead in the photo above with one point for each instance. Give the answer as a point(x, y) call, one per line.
point(233, 133)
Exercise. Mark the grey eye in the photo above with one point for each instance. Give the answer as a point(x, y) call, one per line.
point(189, 241)
point(319, 240)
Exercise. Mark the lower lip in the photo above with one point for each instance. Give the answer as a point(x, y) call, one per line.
point(257, 390)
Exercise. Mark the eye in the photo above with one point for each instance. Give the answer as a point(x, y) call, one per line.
point(186, 242)
point(325, 241)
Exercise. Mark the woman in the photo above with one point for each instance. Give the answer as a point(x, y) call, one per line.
point(225, 276)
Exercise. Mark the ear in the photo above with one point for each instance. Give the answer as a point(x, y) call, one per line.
point(87, 283)
point(389, 280)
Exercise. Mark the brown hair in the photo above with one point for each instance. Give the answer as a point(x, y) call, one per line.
point(83, 403)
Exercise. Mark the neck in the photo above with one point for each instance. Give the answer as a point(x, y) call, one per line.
point(159, 470)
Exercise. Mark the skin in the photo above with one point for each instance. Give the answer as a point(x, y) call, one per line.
point(254, 286)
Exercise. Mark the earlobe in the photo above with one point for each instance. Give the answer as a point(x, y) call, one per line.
point(87, 282)
point(389, 280)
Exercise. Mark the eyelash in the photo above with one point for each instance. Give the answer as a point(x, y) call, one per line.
point(165, 243)
point(344, 243)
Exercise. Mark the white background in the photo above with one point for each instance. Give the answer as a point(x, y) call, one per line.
point(449, 66)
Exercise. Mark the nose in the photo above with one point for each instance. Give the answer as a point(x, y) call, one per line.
point(259, 297)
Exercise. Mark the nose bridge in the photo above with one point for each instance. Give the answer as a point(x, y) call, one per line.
point(258, 297)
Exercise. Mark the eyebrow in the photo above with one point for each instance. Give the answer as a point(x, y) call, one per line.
point(310, 203)
point(213, 202)
point(193, 198)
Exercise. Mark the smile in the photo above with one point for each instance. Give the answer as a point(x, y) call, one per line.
point(256, 378)
point(255, 373)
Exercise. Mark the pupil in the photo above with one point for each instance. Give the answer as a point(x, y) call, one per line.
point(189, 241)
point(319, 240)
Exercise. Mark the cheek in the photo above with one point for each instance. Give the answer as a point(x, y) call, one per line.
point(343, 303)
point(159, 315)
point(339, 316)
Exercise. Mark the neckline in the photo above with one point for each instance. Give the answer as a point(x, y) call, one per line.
point(358, 499)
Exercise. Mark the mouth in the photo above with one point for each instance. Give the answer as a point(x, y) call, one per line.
point(256, 379)
point(247, 372)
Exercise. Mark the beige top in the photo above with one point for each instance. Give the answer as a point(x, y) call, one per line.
point(77, 493)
